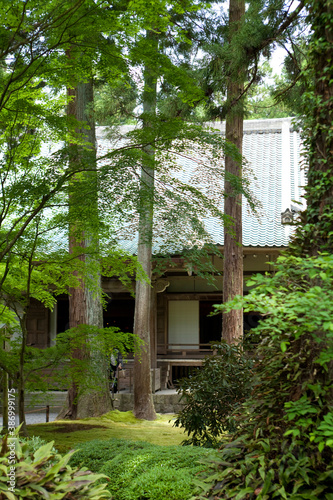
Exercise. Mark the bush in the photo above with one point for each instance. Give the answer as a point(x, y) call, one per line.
point(44, 474)
point(139, 470)
point(283, 447)
point(213, 393)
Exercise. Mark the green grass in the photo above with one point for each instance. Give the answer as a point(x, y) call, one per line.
point(67, 434)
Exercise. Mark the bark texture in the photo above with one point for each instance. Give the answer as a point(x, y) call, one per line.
point(21, 378)
point(143, 400)
point(85, 306)
point(232, 329)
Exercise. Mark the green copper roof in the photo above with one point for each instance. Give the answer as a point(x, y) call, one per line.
point(272, 149)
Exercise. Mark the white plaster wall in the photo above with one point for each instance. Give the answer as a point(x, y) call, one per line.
point(183, 323)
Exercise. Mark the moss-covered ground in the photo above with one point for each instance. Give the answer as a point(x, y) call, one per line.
point(67, 434)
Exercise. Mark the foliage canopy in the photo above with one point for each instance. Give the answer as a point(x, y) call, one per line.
point(284, 443)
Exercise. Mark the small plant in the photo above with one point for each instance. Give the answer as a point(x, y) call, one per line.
point(213, 393)
point(35, 442)
point(26, 473)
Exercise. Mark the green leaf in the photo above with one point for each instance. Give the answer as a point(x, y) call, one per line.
point(9, 495)
point(243, 493)
point(321, 446)
point(43, 452)
point(284, 346)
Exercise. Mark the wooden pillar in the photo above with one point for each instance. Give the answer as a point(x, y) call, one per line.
point(153, 329)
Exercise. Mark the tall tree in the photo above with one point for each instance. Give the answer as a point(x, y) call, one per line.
point(291, 404)
point(230, 63)
point(32, 39)
point(143, 401)
point(156, 64)
point(85, 302)
point(32, 44)
point(314, 235)
point(232, 327)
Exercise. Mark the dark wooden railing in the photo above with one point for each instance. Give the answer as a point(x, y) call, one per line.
point(184, 349)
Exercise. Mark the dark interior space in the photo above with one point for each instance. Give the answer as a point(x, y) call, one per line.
point(251, 320)
point(179, 372)
point(120, 313)
point(210, 326)
point(63, 314)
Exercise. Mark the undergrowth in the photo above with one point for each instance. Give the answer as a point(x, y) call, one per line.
point(283, 447)
point(140, 470)
point(33, 469)
point(213, 393)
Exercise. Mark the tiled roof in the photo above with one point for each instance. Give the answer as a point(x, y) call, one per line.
point(272, 150)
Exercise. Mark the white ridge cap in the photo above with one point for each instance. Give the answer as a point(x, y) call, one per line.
point(255, 125)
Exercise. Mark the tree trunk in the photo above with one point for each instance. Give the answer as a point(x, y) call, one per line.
point(143, 400)
point(20, 378)
point(85, 306)
point(232, 329)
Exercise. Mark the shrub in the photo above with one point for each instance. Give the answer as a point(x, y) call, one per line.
point(139, 470)
point(44, 474)
point(283, 447)
point(210, 396)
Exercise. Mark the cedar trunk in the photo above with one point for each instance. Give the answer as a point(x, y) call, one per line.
point(143, 400)
point(85, 305)
point(20, 378)
point(232, 329)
